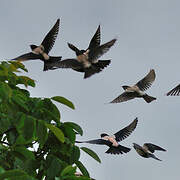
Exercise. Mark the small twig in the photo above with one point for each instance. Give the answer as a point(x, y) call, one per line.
point(2, 142)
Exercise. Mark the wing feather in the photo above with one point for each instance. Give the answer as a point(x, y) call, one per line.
point(175, 91)
point(96, 53)
point(96, 39)
point(125, 132)
point(50, 38)
point(152, 147)
point(147, 81)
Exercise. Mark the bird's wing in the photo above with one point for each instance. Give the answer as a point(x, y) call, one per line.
point(102, 63)
point(96, 141)
point(50, 64)
point(96, 53)
point(96, 39)
point(152, 147)
point(118, 150)
point(124, 97)
point(27, 56)
point(74, 48)
point(147, 81)
point(125, 132)
point(68, 63)
point(50, 38)
point(175, 91)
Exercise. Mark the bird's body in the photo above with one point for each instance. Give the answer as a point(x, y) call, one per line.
point(41, 51)
point(112, 140)
point(147, 150)
point(137, 90)
point(87, 61)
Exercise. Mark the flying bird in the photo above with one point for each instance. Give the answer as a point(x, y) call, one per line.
point(147, 150)
point(112, 140)
point(87, 61)
point(137, 90)
point(41, 51)
point(175, 91)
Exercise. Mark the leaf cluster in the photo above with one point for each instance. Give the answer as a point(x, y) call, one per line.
point(34, 143)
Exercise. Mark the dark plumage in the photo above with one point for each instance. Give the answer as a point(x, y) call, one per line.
point(147, 150)
point(175, 91)
point(87, 61)
point(112, 141)
point(41, 51)
point(136, 91)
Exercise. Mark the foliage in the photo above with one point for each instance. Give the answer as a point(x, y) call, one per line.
point(34, 143)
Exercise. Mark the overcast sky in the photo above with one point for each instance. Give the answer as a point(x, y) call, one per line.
point(148, 35)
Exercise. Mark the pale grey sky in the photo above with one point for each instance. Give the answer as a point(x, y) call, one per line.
point(148, 35)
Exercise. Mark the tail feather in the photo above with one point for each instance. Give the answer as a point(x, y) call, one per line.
point(154, 157)
point(103, 63)
point(90, 71)
point(51, 63)
point(118, 150)
point(148, 98)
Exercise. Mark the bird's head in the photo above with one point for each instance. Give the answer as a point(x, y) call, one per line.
point(33, 46)
point(80, 52)
point(125, 87)
point(136, 146)
point(103, 135)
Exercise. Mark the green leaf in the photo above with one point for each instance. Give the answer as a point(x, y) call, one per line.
point(91, 153)
point(27, 154)
point(41, 132)
point(82, 168)
point(75, 126)
point(26, 81)
point(54, 166)
point(13, 174)
point(5, 91)
point(29, 128)
point(64, 101)
point(20, 101)
point(75, 154)
point(1, 170)
point(4, 123)
point(68, 132)
point(20, 140)
point(18, 65)
point(57, 132)
point(68, 170)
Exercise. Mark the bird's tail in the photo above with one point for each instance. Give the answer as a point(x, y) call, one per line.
point(118, 150)
point(91, 70)
point(154, 157)
point(103, 63)
point(79, 141)
point(51, 63)
point(148, 98)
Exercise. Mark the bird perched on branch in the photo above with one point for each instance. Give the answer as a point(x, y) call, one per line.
point(87, 61)
point(175, 91)
point(112, 140)
point(137, 90)
point(147, 150)
point(41, 51)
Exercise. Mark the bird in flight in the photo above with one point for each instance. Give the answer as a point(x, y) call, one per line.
point(137, 90)
point(147, 150)
point(87, 61)
point(175, 91)
point(41, 51)
point(112, 140)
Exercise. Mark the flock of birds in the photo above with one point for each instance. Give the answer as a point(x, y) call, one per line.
point(87, 61)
